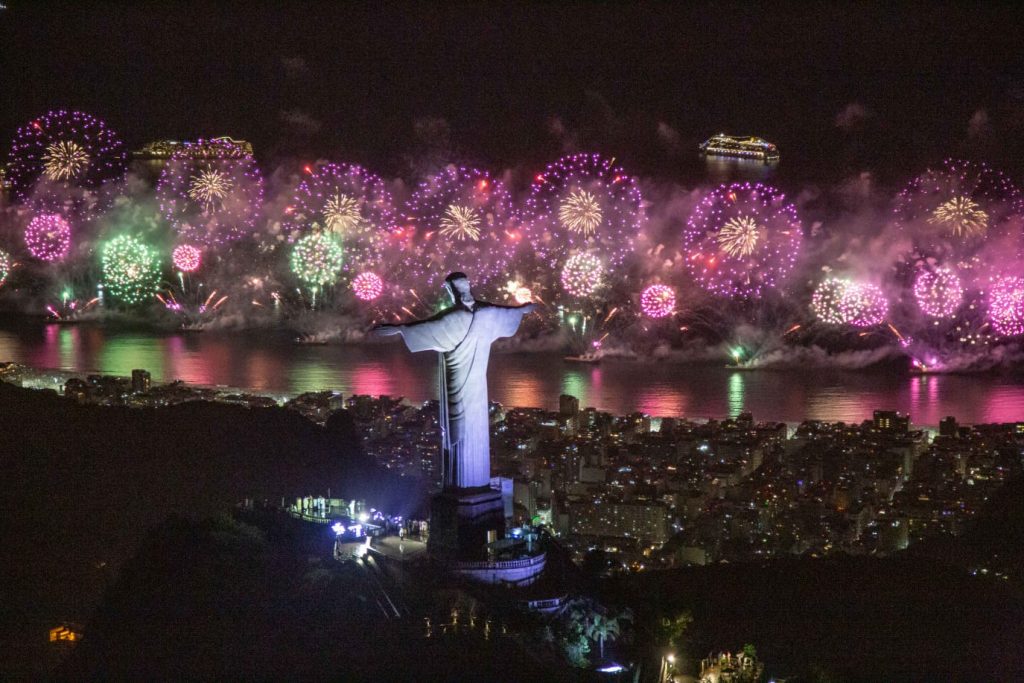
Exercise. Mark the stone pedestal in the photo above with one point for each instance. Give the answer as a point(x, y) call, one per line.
point(460, 520)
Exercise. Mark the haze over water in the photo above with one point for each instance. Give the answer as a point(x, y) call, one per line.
point(268, 362)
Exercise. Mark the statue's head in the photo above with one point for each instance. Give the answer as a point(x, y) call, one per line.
point(457, 285)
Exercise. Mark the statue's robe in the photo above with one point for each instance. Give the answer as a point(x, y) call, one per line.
point(463, 337)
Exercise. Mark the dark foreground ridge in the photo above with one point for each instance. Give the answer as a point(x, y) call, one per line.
point(117, 521)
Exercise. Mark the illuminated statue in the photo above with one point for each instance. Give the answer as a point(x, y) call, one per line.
point(462, 334)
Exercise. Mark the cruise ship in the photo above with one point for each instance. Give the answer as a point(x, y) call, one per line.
point(748, 147)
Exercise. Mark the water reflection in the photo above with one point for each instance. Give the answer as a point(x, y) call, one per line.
point(272, 364)
point(734, 169)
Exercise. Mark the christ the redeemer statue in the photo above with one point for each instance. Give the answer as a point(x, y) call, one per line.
point(462, 334)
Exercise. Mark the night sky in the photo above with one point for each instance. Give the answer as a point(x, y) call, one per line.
point(841, 88)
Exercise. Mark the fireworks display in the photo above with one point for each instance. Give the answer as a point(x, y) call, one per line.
point(458, 219)
point(658, 301)
point(131, 270)
point(839, 301)
point(741, 240)
point(186, 258)
point(939, 292)
point(210, 198)
point(952, 209)
point(367, 286)
point(581, 212)
point(351, 203)
point(1006, 306)
point(582, 275)
point(961, 217)
point(60, 160)
point(584, 202)
point(48, 237)
point(579, 245)
point(5, 266)
point(65, 160)
point(317, 259)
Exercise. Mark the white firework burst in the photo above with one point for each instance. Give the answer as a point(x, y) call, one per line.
point(581, 213)
point(461, 222)
point(209, 187)
point(341, 214)
point(64, 160)
point(739, 236)
point(962, 216)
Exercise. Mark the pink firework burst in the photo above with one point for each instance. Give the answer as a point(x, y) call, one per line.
point(48, 237)
point(939, 292)
point(186, 258)
point(367, 286)
point(1006, 306)
point(658, 301)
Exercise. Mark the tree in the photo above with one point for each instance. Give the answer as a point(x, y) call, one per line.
point(672, 629)
point(750, 651)
point(601, 628)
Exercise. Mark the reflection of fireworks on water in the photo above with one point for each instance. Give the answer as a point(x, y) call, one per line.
point(584, 202)
point(939, 292)
point(131, 270)
point(838, 301)
point(209, 188)
point(460, 222)
point(961, 216)
point(213, 197)
point(64, 160)
point(48, 237)
point(739, 236)
point(581, 275)
point(64, 151)
point(953, 208)
point(742, 239)
point(580, 212)
point(186, 258)
point(351, 203)
point(5, 266)
point(658, 301)
point(317, 259)
point(367, 286)
point(458, 219)
point(1006, 306)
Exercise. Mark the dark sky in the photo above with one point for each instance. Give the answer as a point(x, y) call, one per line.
point(839, 87)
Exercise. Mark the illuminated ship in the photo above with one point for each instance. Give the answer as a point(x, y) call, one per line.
point(206, 149)
point(749, 147)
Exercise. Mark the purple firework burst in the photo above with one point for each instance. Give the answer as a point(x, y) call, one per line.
point(210, 198)
point(584, 203)
point(60, 160)
point(742, 239)
point(953, 209)
point(350, 202)
point(458, 219)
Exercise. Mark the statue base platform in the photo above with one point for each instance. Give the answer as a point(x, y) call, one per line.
point(460, 520)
